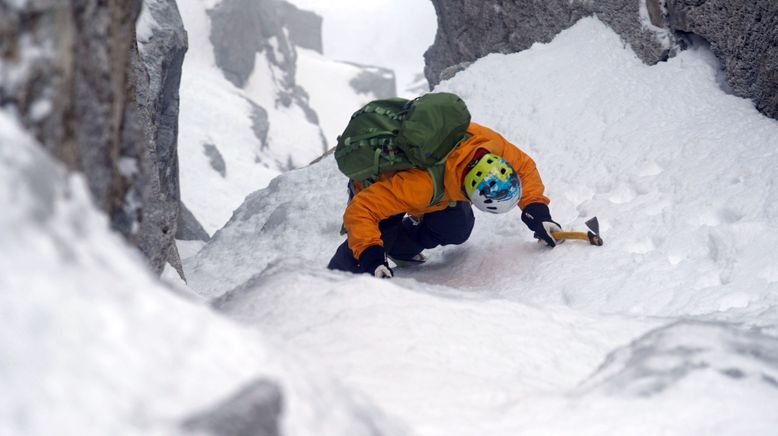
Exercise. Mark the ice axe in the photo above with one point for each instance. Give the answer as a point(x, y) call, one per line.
point(593, 235)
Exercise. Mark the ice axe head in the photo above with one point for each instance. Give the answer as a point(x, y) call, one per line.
point(594, 231)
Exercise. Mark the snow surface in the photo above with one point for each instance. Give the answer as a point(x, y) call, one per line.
point(670, 328)
point(93, 344)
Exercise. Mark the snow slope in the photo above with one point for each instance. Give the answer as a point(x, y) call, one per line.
point(670, 328)
point(93, 344)
point(218, 116)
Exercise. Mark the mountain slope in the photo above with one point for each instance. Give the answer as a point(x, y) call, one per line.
point(502, 336)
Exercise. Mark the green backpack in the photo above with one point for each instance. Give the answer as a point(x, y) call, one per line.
point(398, 134)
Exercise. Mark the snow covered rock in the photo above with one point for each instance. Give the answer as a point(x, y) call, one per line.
point(743, 35)
point(254, 411)
point(66, 73)
point(79, 83)
point(188, 228)
point(687, 378)
point(162, 44)
point(470, 30)
point(264, 103)
point(93, 344)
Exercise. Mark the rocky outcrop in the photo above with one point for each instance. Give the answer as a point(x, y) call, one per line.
point(743, 35)
point(268, 23)
point(65, 71)
point(235, 53)
point(73, 73)
point(305, 27)
point(188, 228)
point(377, 81)
point(162, 44)
point(468, 30)
point(253, 411)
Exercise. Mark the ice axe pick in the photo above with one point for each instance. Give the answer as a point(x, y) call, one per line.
point(593, 235)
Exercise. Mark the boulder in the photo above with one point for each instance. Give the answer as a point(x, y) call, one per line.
point(66, 75)
point(77, 81)
point(162, 44)
point(743, 35)
point(255, 410)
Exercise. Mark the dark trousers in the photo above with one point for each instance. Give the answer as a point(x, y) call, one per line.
point(403, 240)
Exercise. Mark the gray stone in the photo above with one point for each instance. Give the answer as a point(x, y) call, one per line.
point(188, 228)
point(253, 411)
point(260, 123)
point(72, 71)
point(379, 81)
point(744, 37)
point(742, 34)
point(469, 29)
point(215, 159)
point(157, 69)
point(65, 68)
point(241, 29)
point(305, 27)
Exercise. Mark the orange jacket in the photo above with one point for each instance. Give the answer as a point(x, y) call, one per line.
point(410, 191)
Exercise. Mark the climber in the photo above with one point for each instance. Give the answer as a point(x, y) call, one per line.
point(393, 216)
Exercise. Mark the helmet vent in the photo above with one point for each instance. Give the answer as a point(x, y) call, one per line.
point(491, 208)
point(492, 183)
point(502, 171)
point(479, 174)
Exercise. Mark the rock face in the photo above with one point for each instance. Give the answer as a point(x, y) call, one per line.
point(188, 228)
point(743, 35)
point(162, 44)
point(74, 96)
point(305, 27)
point(378, 81)
point(253, 411)
point(73, 73)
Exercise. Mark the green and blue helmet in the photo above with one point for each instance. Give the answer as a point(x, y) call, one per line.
point(492, 185)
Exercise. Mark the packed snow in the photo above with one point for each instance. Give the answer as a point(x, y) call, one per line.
point(669, 328)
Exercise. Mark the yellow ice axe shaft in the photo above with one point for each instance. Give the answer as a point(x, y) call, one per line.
point(570, 235)
point(592, 235)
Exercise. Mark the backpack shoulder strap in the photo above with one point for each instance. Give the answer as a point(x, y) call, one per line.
point(437, 172)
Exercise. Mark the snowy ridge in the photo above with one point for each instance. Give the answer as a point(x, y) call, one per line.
point(501, 336)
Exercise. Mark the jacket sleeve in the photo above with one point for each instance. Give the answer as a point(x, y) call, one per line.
point(402, 192)
point(532, 187)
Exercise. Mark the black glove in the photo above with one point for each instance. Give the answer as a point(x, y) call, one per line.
point(538, 218)
point(373, 261)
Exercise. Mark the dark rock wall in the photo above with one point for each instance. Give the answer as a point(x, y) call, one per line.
point(743, 34)
point(305, 27)
point(66, 73)
point(157, 67)
point(71, 71)
point(255, 410)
